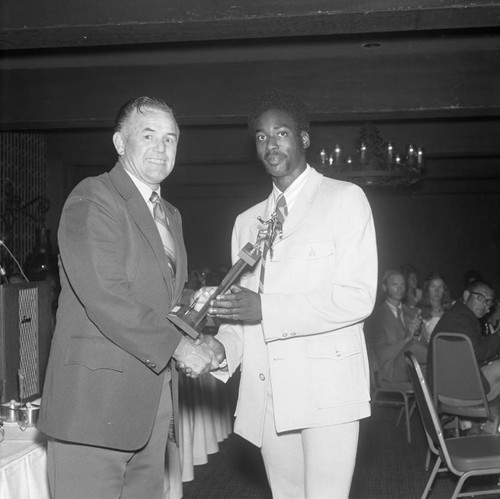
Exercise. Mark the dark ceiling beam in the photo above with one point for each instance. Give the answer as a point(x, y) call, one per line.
point(413, 115)
point(387, 87)
point(73, 23)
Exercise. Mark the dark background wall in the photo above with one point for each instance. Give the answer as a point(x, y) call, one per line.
point(425, 73)
point(446, 223)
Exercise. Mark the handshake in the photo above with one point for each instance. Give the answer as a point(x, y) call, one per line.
point(197, 357)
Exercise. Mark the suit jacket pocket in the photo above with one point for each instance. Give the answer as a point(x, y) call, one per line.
point(338, 370)
point(311, 250)
point(93, 353)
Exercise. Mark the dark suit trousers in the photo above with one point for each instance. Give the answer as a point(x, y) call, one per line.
point(82, 471)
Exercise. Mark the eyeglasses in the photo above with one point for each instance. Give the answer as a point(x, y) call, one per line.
point(483, 299)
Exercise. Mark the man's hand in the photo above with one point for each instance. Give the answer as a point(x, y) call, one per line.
point(215, 345)
point(195, 359)
point(240, 304)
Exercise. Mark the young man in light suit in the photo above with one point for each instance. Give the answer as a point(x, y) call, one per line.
point(111, 389)
point(299, 342)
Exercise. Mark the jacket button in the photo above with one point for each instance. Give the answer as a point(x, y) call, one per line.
point(284, 335)
point(338, 353)
point(262, 377)
point(152, 365)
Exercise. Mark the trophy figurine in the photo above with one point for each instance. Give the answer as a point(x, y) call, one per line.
point(190, 322)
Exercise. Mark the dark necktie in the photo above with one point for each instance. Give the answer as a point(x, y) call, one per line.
point(164, 230)
point(281, 214)
point(400, 317)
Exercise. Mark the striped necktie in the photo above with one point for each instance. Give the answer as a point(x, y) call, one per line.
point(164, 230)
point(281, 213)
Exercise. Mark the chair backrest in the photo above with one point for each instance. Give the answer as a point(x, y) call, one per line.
point(428, 413)
point(456, 376)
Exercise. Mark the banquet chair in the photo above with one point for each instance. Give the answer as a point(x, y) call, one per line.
point(458, 390)
point(394, 394)
point(465, 457)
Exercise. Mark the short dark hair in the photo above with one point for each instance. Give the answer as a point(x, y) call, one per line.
point(470, 276)
point(407, 269)
point(475, 285)
point(281, 101)
point(139, 104)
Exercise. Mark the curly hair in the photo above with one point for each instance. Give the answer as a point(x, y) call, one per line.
point(139, 104)
point(281, 101)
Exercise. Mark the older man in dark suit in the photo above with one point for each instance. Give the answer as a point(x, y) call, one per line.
point(464, 317)
point(111, 389)
point(392, 329)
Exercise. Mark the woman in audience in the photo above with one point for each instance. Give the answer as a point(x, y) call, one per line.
point(435, 300)
point(413, 293)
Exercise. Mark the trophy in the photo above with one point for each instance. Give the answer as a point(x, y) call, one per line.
point(190, 322)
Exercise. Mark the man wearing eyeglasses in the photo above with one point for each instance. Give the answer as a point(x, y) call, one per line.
point(463, 317)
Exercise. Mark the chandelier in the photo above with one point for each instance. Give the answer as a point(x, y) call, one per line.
point(376, 163)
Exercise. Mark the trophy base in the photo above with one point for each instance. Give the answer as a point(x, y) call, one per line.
point(183, 326)
point(248, 256)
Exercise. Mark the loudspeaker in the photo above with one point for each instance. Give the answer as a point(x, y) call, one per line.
point(25, 336)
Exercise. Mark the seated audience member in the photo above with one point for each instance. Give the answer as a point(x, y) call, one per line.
point(392, 329)
point(492, 320)
point(464, 317)
point(434, 302)
point(412, 294)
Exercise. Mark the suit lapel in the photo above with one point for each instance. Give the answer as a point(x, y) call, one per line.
point(392, 319)
point(138, 210)
point(299, 213)
point(302, 207)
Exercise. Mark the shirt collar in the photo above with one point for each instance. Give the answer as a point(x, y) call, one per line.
point(394, 309)
point(144, 189)
point(292, 192)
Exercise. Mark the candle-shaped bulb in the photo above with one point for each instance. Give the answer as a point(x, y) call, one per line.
point(420, 158)
point(411, 156)
point(323, 156)
point(390, 154)
point(362, 151)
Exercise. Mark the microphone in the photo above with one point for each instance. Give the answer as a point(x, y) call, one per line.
point(2, 271)
point(3, 274)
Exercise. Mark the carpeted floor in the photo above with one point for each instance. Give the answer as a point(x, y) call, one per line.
point(387, 466)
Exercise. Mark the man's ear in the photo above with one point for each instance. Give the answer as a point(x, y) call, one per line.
point(119, 143)
point(466, 295)
point(306, 141)
point(384, 288)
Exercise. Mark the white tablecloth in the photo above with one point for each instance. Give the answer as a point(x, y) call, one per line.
point(23, 464)
point(205, 421)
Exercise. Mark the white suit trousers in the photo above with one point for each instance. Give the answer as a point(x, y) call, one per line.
point(313, 463)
